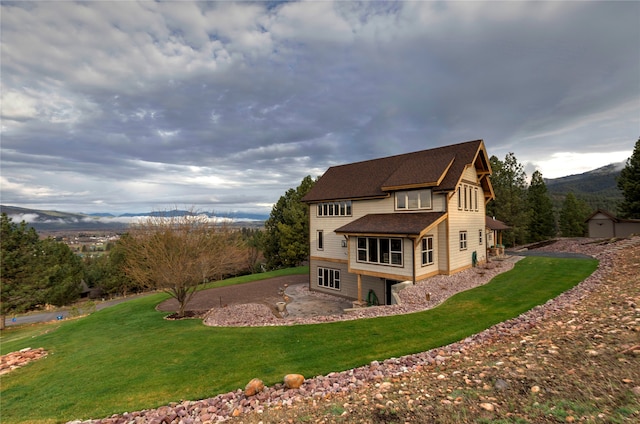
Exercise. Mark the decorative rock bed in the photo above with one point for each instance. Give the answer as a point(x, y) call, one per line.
point(15, 360)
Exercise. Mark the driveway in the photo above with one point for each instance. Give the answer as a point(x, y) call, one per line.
point(62, 314)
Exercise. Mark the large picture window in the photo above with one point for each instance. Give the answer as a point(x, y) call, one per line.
point(380, 250)
point(427, 250)
point(329, 278)
point(414, 199)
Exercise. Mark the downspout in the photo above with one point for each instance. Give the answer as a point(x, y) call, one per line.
point(414, 261)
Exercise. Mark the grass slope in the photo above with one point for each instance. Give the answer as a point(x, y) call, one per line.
point(128, 357)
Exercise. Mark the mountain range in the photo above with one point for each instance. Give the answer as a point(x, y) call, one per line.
point(598, 188)
point(48, 220)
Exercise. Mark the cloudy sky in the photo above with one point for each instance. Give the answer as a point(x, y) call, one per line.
point(123, 106)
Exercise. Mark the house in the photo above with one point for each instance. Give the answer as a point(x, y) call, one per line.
point(399, 219)
point(602, 224)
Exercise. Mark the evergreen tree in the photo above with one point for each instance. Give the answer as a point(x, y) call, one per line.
point(59, 271)
point(510, 186)
point(286, 237)
point(18, 243)
point(573, 215)
point(107, 272)
point(35, 271)
point(629, 184)
point(542, 223)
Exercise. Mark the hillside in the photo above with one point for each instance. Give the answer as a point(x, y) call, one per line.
point(597, 187)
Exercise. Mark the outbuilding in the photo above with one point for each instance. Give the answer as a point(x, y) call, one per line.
point(603, 224)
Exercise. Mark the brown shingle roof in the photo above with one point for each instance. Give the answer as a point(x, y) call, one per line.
point(494, 224)
point(440, 168)
point(392, 223)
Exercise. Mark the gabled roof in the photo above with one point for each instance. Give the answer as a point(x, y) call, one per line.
point(407, 224)
point(440, 168)
point(610, 216)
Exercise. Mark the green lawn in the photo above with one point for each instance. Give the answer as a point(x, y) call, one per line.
point(127, 357)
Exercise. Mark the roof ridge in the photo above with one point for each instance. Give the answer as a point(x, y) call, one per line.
point(399, 155)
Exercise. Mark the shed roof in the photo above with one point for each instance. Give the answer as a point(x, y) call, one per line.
point(495, 224)
point(409, 224)
point(610, 216)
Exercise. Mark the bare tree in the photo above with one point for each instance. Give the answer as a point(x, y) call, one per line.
point(176, 253)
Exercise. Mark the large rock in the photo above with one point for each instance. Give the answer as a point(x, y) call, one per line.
point(253, 387)
point(293, 381)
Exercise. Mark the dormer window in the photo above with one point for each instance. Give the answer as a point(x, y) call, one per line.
point(413, 199)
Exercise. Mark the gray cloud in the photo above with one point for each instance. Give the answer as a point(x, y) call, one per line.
point(227, 105)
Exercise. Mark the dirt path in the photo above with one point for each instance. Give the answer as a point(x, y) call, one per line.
point(263, 291)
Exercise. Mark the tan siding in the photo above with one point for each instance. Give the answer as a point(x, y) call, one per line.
point(365, 207)
point(422, 271)
point(443, 248)
point(440, 202)
point(469, 220)
point(348, 282)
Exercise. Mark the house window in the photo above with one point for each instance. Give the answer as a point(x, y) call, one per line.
point(335, 208)
point(380, 250)
point(427, 250)
point(470, 198)
point(463, 240)
point(320, 240)
point(459, 199)
point(414, 199)
point(329, 278)
point(466, 207)
point(480, 236)
point(475, 198)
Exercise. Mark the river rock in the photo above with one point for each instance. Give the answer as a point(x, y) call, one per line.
point(253, 387)
point(293, 381)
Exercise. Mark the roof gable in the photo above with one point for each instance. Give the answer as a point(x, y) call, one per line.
point(413, 173)
point(440, 168)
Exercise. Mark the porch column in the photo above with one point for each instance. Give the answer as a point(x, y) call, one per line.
point(359, 303)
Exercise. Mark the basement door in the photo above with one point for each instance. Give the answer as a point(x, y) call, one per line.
point(388, 300)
